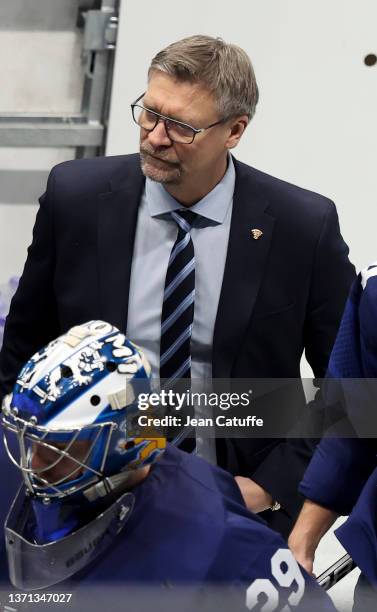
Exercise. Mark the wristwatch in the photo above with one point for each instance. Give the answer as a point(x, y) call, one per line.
point(275, 506)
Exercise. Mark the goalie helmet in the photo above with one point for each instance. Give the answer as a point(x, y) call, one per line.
point(71, 413)
point(77, 399)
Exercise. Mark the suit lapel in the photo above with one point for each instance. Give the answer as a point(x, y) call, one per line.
point(117, 217)
point(243, 272)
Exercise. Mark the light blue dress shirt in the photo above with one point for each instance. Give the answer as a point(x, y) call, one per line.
point(156, 233)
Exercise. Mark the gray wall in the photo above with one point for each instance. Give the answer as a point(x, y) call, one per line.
point(41, 66)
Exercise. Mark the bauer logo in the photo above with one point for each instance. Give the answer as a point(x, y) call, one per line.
point(87, 550)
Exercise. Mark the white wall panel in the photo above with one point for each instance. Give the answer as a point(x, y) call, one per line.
point(23, 175)
point(17, 220)
point(42, 70)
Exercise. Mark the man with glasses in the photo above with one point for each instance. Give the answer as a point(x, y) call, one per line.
point(214, 268)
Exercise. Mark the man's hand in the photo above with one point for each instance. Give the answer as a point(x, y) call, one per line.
point(311, 525)
point(255, 497)
point(303, 550)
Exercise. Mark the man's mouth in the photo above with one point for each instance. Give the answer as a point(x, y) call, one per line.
point(164, 161)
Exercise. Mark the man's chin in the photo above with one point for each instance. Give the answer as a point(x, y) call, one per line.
point(160, 175)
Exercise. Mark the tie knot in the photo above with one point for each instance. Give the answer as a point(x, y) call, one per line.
point(184, 218)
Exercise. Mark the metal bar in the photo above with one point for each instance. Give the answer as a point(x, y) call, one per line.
point(97, 85)
point(95, 103)
point(50, 134)
point(11, 118)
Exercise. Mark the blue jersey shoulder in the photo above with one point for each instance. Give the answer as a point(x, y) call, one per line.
point(354, 354)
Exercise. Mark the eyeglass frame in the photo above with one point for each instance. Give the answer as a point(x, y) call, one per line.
point(164, 118)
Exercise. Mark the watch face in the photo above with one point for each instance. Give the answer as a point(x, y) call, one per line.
point(275, 506)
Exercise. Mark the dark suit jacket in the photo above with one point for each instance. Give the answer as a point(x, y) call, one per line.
point(281, 294)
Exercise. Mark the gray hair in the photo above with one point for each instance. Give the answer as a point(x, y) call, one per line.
point(223, 68)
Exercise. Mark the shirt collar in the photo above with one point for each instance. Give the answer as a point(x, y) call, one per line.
point(213, 206)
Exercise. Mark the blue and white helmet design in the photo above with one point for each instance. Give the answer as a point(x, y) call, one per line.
point(81, 388)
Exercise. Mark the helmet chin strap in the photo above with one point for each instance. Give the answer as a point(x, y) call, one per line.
point(106, 486)
point(117, 484)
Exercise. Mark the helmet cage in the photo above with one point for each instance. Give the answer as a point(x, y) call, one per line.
point(29, 434)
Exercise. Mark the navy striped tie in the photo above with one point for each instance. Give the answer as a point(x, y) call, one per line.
point(178, 304)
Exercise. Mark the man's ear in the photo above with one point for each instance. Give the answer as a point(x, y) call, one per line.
point(237, 127)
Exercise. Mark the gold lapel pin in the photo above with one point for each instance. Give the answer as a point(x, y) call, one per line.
point(257, 233)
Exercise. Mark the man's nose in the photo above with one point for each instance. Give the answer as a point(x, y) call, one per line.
point(159, 137)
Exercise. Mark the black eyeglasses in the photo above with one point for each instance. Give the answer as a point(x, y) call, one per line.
point(176, 130)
